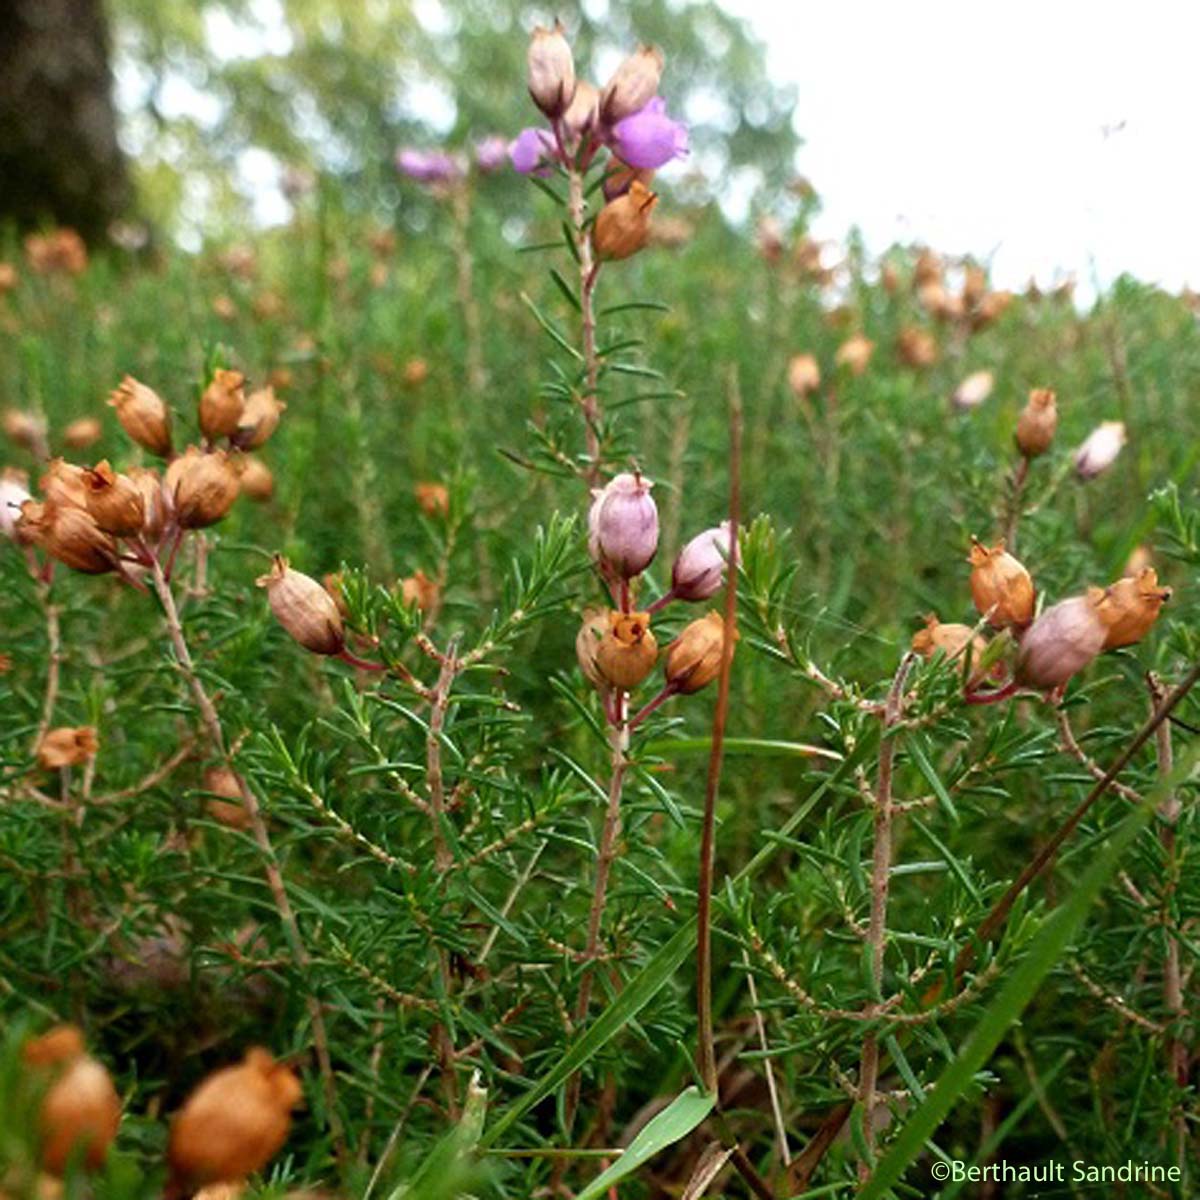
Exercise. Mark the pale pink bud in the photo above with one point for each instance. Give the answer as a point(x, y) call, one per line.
point(551, 70)
point(1100, 449)
point(973, 390)
point(699, 570)
point(1062, 641)
point(623, 525)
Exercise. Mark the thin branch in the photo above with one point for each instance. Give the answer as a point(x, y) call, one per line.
point(258, 825)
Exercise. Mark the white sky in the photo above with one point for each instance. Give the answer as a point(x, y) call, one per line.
point(1057, 136)
point(1052, 138)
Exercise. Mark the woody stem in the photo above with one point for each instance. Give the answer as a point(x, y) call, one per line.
point(618, 740)
point(588, 271)
point(258, 826)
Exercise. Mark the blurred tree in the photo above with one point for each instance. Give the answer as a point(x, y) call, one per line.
point(59, 156)
point(335, 85)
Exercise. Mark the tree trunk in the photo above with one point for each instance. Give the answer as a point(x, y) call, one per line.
point(59, 158)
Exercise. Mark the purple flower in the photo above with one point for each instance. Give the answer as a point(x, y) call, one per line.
point(699, 570)
point(530, 148)
point(650, 139)
point(491, 153)
point(427, 166)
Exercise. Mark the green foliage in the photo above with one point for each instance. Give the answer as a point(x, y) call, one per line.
point(437, 824)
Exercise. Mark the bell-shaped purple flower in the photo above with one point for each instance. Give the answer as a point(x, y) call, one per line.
point(530, 149)
point(650, 139)
point(491, 153)
point(428, 166)
point(623, 526)
point(699, 569)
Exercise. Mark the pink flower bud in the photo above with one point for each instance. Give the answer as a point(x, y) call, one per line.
point(1100, 449)
point(699, 570)
point(551, 70)
point(623, 525)
point(1062, 641)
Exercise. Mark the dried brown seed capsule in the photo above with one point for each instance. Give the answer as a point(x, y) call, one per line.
point(64, 484)
point(928, 268)
point(991, 308)
point(256, 479)
point(1037, 423)
point(953, 641)
point(433, 499)
point(694, 658)
point(82, 433)
point(587, 643)
point(154, 506)
point(916, 347)
point(115, 502)
point(228, 810)
point(259, 418)
point(304, 608)
point(627, 652)
point(855, 353)
point(551, 70)
point(416, 371)
point(72, 536)
point(804, 375)
point(222, 403)
point(974, 286)
point(1130, 607)
point(143, 416)
point(1000, 586)
point(235, 1122)
point(202, 487)
point(9, 277)
point(81, 1110)
point(633, 86)
point(67, 746)
point(420, 590)
point(623, 225)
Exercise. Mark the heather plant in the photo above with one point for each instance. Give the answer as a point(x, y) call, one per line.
point(492, 809)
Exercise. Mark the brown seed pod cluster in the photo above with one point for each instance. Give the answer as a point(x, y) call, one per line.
point(102, 519)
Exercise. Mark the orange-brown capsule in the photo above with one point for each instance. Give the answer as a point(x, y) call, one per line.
point(804, 375)
point(82, 433)
point(116, 503)
point(420, 590)
point(623, 225)
point(256, 479)
point(693, 659)
point(64, 484)
point(1037, 423)
point(433, 499)
point(222, 404)
point(415, 372)
point(72, 536)
point(259, 418)
point(304, 608)
point(202, 487)
point(225, 805)
point(974, 286)
point(991, 308)
point(81, 1111)
point(1000, 586)
point(1130, 607)
point(67, 746)
point(143, 416)
point(855, 353)
point(587, 643)
point(626, 653)
point(9, 277)
point(928, 268)
point(234, 1123)
point(953, 641)
point(24, 429)
point(916, 347)
point(154, 507)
